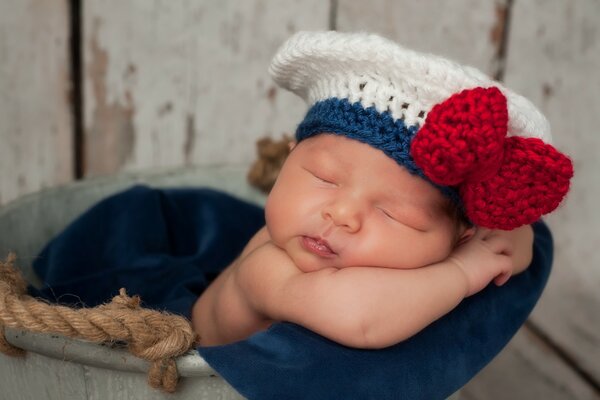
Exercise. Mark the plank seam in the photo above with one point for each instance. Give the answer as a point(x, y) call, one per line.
point(75, 26)
point(333, 9)
point(503, 43)
point(564, 355)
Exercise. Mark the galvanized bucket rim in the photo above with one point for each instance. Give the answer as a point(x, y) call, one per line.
point(229, 178)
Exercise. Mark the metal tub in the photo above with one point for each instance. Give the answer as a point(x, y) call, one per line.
point(63, 369)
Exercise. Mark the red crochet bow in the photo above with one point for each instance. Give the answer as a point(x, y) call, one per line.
point(504, 182)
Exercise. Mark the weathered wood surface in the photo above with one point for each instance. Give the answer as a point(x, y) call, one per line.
point(554, 59)
point(35, 119)
point(171, 83)
point(468, 31)
point(527, 369)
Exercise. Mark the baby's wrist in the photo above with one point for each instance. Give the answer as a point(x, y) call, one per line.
point(461, 271)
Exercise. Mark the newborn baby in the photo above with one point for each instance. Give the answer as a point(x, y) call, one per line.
point(386, 213)
point(356, 249)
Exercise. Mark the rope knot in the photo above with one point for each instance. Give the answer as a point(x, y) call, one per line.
point(124, 301)
point(158, 337)
point(10, 277)
point(12, 285)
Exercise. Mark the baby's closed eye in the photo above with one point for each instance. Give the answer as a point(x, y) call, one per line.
point(403, 219)
point(387, 214)
point(321, 176)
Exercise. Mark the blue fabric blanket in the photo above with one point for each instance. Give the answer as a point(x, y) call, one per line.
point(168, 245)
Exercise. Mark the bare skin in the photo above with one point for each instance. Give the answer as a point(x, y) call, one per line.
point(348, 256)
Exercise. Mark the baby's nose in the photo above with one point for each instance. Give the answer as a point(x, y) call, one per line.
point(344, 213)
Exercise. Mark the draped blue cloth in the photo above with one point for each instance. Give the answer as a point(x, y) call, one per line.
point(167, 245)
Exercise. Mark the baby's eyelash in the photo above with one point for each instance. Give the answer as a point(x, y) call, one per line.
point(324, 180)
point(319, 177)
point(387, 213)
point(390, 216)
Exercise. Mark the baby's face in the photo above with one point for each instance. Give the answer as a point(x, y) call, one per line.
point(339, 203)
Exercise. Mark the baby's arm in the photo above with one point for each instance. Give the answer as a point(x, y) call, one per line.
point(370, 307)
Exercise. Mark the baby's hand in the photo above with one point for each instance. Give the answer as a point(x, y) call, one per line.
point(493, 255)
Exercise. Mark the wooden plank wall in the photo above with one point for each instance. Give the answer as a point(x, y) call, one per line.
point(554, 58)
point(35, 119)
point(170, 83)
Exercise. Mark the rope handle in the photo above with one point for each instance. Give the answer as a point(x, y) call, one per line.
point(155, 336)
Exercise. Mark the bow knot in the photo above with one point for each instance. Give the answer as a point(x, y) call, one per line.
point(504, 182)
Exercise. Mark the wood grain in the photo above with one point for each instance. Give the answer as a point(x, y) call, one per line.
point(35, 118)
point(172, 83)
point(554, 59)
point(468, 31)
point(527, 369)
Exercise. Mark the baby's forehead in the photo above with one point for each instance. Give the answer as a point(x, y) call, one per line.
point(333, 148)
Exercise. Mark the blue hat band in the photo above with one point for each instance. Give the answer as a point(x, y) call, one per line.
point(367, 125)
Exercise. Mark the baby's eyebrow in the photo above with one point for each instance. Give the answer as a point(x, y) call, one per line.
point(330, 158)
point(331, 164)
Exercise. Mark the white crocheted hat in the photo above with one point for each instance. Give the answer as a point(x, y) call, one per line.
point(377, 72)
point(481, 144)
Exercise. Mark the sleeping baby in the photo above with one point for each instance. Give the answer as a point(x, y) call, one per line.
point(411, 185)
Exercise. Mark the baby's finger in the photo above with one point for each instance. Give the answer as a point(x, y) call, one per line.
point(502, 278)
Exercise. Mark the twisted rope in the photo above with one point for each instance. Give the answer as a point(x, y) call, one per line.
point(155, 336)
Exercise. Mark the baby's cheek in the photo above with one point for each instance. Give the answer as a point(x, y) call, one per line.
point(435, 250)
point(279, 219)
point(420, 252)
point(272, 217)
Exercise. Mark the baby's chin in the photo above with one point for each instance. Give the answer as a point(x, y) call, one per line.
point(305, 264)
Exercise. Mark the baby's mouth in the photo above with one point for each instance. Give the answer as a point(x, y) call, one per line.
point(317, 246)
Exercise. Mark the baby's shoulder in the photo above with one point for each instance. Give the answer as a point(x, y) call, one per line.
point(269, 256)
point(262, 273)
point(261, 237)
point(267, 265)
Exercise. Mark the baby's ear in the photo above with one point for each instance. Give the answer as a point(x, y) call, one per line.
point(466, 235)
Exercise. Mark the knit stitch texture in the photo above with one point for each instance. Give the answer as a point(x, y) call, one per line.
point(484, 146)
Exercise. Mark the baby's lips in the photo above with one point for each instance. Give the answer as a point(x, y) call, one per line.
point(325, 243)
point(321, 243)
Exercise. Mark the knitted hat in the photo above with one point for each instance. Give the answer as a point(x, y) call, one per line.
point(481, 144)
